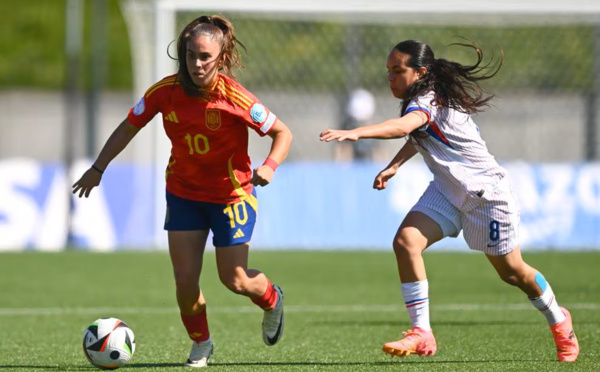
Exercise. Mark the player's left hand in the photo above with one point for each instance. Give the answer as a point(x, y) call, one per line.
point(262, 176)
point(383, 177)
point(329, 135)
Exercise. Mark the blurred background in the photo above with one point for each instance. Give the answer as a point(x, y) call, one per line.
point(71, 69)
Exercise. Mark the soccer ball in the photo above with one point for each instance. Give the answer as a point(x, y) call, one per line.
point(108, 343)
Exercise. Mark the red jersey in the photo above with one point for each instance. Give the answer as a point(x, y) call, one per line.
point(209, 139)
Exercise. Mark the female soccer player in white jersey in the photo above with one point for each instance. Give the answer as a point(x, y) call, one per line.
point(469, 191)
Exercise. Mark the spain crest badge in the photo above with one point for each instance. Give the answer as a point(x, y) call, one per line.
point(213, 119)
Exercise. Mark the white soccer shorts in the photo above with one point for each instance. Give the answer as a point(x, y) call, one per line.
point(491, 226)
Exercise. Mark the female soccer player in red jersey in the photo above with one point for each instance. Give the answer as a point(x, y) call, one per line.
point(469, 191)
point(210, 186)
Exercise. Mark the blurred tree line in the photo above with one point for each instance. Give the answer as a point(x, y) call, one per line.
point(296, 55)
point(548, 58)
point(32, 45)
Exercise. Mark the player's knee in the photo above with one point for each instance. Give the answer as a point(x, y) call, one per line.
point(235, 283)
point(403, 246)
point(185, 282)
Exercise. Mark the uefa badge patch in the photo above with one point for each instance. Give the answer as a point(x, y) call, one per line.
point(258, 113)
point(213, 119)
point(139, 107)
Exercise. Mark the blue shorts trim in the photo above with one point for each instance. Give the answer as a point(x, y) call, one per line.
point(231, 224)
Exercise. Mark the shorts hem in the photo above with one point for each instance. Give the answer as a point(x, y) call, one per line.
point(448, 227)
point(496, 253)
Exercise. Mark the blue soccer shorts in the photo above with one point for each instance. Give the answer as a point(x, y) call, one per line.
point(231, 224)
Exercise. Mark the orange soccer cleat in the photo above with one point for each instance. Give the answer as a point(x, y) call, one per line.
point(416, 341)
point(567, 347)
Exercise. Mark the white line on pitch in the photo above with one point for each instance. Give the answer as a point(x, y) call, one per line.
point(288, 309)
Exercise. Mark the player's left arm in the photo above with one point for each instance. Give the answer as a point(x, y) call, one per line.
point(392, 128)
point(282, 140)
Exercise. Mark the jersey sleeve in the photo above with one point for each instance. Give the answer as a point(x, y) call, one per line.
point(248, 108)
point(148, 106)
point(261, 118)
point(424, 104)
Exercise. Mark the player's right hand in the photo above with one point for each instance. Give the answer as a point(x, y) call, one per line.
point(339, 135)
point(90, 179)
point(380, 182)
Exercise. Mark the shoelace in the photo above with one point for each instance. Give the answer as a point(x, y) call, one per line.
point(563, 336)
point(202, 351)
point(273, 320)
point(410, 336)
point(563, 333)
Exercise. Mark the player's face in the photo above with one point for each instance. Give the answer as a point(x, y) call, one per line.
point(400, 76)
point(203, 59)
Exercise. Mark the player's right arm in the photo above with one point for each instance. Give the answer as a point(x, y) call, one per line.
point(389, 129)
point(406, 152)
point(117, 141)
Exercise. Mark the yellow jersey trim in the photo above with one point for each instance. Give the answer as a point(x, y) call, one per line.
point(162, 83)
point(170, 171)
point(235, 95)
point(237, 186)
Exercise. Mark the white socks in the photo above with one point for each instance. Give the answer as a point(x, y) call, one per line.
point(416, 299)
point(546, 303)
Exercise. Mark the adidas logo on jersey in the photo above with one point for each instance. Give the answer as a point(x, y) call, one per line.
point(238, 234)
point(172, 117)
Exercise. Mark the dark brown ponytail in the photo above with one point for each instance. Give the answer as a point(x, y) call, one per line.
point(454, 85)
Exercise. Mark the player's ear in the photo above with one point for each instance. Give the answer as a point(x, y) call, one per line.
point(422, 71)
point(222, 60)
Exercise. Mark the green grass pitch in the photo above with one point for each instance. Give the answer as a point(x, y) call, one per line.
point(340, 307)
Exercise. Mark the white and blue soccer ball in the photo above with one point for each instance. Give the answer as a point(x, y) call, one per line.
point(108, 343)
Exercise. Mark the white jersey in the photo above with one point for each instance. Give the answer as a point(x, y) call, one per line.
point(450, 142)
